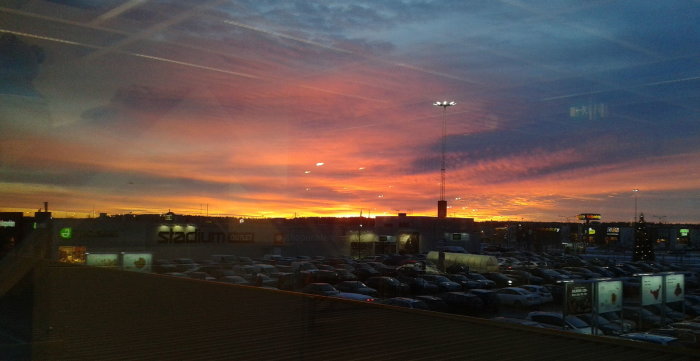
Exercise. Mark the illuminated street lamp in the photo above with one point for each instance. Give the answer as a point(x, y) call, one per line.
point(442, 203)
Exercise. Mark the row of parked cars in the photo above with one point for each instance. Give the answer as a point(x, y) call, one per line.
point(525, 282)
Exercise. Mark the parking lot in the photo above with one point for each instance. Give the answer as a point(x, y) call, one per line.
point(526, 289)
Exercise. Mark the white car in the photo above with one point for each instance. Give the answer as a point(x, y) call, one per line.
point(518, 297)
point(541, 291)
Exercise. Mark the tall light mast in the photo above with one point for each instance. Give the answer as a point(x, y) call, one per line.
point(442, 203)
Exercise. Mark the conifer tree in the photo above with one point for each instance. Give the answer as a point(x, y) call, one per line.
point(643, 248)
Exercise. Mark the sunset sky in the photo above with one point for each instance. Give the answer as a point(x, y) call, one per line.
point(324, 108)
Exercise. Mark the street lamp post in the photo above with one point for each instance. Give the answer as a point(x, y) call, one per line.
point(442, 203)
point(635, 191)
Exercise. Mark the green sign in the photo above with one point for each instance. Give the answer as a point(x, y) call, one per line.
point(684, 232)
point(66, 233)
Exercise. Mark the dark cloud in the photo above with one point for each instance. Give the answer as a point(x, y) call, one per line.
point(136, 98)
point(87, 4)
point(19, 65)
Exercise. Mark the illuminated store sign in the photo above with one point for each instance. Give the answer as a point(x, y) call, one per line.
point(66, 233)
point(189, 234)
point(7, 224)
point(684, 232)
point(589, 217)
point(613, 231)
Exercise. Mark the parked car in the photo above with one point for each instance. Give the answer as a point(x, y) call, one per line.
point(523, 277)
point(549, 275)
point(354, 296)
point(388, 286)
point(185, 264)
point(163, 266)
point(616, 317)
point(464, 303)
point(667, 313)
point(568, 323)
point(345, 275)
point(686, 337)
point(500, 279)
point(690, 325)
point(584, 272)
point(443, 283)
point(485, 283)
point(198, 275)
point(644, 318)
point(326, 276)
point(652, 338)
point(464, 281)
point(236, 280)
point(541, 291)
point(405, 302)
point(419, 286)
point(363, 271)
point(356, 287)
point(603, 324)
point(490, 299)
point(321, 289)
point(520, 321)
point(434, 303)
point(518, 297)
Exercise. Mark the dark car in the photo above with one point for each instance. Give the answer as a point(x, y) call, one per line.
point(185, 264)
point(549, 275)
point(388, 286)
point(345, 275)
point(463, 303)
point(490, 300)
point(356, 287)
point(419, 286)
point(364, 271)
point(464, 281)
point(483, 281)
point(583, 272)
point(603, 271)
point(616, 317)
point(405, 302)
point(383, 269)
point(524, 277)
point(321, 289)
point(687, 338)
point(686, 307)
point(603, 325)
point(500, 279)
point(666, 312)
point(434, 303)
point(325, 276)
point(443, 283)
point(647, 318)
